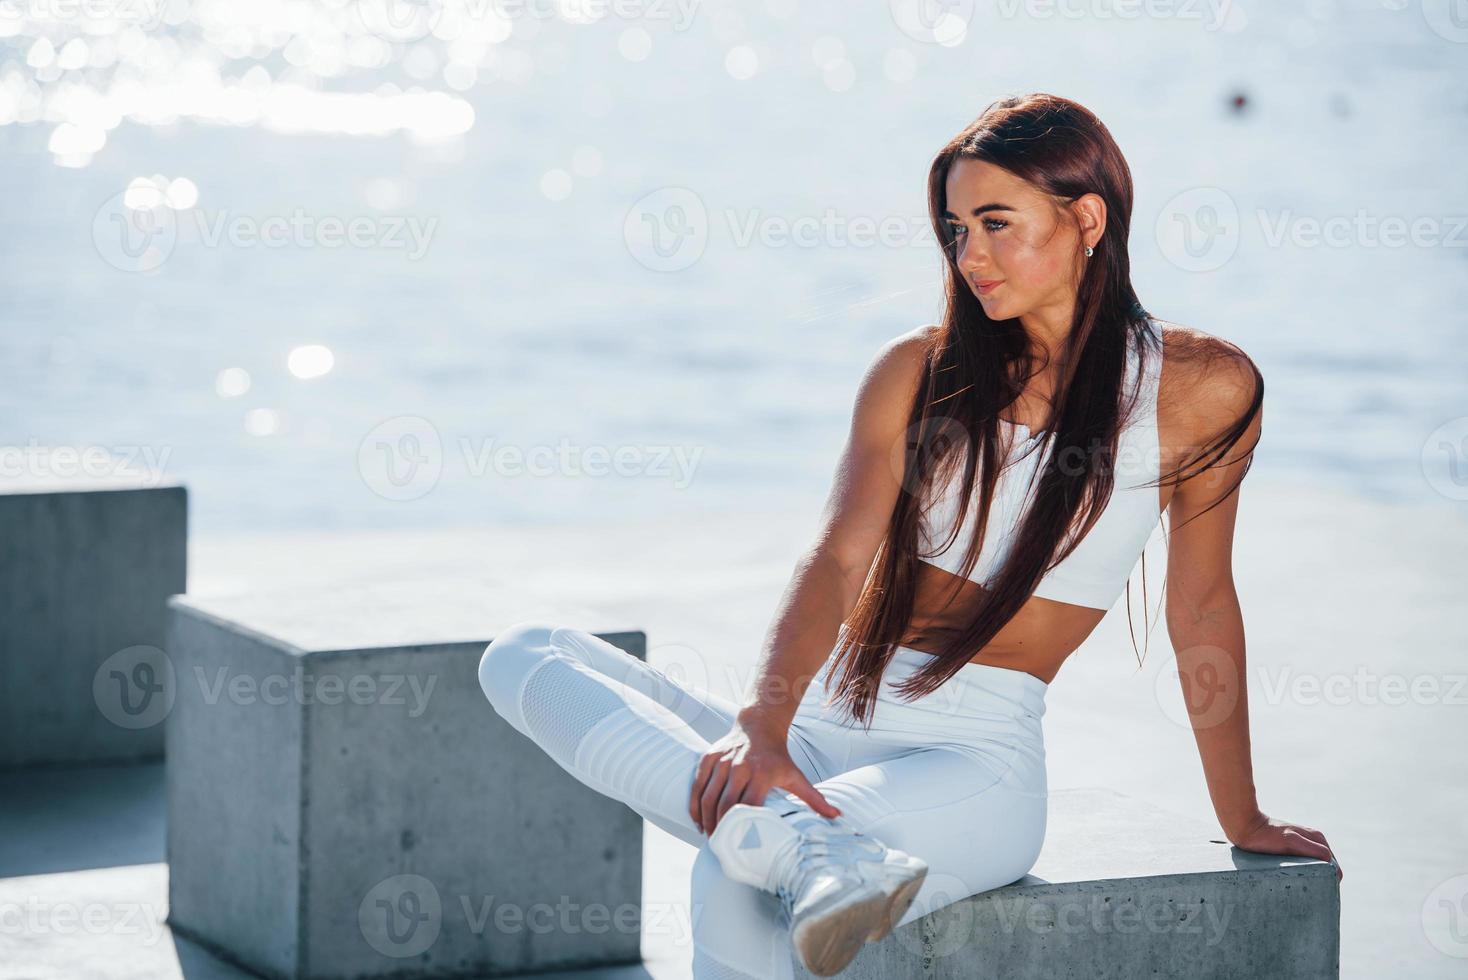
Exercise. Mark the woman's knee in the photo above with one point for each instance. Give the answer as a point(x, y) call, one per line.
point(516, 651)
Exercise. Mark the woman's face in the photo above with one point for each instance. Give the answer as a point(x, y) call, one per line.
point(1009, 240)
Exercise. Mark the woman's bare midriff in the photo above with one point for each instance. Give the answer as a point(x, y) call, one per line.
point(1044, 632)
point(1036, 640)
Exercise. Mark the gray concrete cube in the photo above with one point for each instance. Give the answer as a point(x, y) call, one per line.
point(1123, 889)
point(85, 573)
point(343, 802)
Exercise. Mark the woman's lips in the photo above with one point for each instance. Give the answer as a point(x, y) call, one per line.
point(986, 286)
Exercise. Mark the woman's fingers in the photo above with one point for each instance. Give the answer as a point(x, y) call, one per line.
point(732, 773)
point(709, 802)
point(1310, 833)
point(1298, 843)
point(1319, 847)
point(734, 792)
point(695, 795)
point(801, 787)
point(1278, 837)
point(1306, 845)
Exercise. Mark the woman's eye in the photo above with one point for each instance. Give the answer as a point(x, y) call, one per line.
point(990, 224)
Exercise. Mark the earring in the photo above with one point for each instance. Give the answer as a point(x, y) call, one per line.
point(1090, 251)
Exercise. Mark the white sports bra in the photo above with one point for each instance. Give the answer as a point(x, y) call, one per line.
point(1096, 573)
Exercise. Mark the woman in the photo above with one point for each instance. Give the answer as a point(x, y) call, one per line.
point(881, 767)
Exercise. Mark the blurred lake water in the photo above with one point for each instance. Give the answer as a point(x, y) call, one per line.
point(537, 264)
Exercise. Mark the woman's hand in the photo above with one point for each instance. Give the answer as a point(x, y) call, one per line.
point(742, 767)
point(1276, 837)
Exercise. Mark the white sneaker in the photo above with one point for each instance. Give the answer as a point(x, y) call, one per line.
point(838, 888)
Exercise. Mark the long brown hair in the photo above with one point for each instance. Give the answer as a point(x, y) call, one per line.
point(976, 367)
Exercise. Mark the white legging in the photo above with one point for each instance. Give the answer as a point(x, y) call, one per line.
point(956, 778)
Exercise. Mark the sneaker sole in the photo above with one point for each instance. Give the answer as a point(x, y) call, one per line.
point(827, 941)
point(898, 905)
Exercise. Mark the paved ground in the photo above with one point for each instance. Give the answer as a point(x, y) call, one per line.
point(84, 886)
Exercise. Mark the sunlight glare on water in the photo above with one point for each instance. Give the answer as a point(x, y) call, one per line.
point(674, 227)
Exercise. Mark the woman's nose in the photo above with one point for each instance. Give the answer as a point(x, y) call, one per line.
point(970, 256)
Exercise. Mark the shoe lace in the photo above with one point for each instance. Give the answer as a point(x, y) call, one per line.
point(821, 840)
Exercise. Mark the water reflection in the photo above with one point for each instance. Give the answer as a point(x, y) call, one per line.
point(84, 66)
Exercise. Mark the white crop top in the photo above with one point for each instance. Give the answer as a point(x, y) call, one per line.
point(1096, 573)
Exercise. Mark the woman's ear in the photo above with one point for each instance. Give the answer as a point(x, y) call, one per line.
point(1090, 212)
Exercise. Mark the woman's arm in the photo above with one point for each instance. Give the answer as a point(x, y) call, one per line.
point(752, 758)
point(1206, 625)
point(829, 577)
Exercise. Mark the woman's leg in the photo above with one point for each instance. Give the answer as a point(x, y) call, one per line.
point(978, 822)
point(631, 732)
point(617, 724)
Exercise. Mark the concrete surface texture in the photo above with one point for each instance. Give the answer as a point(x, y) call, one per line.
point(342, 802)
point(110, 922)
point(1124, 889)
point(84, 574)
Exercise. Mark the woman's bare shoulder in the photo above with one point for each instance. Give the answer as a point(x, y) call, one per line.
point(885, 393)
point(902, 359)
point(1207, 382)
point(917, 342)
